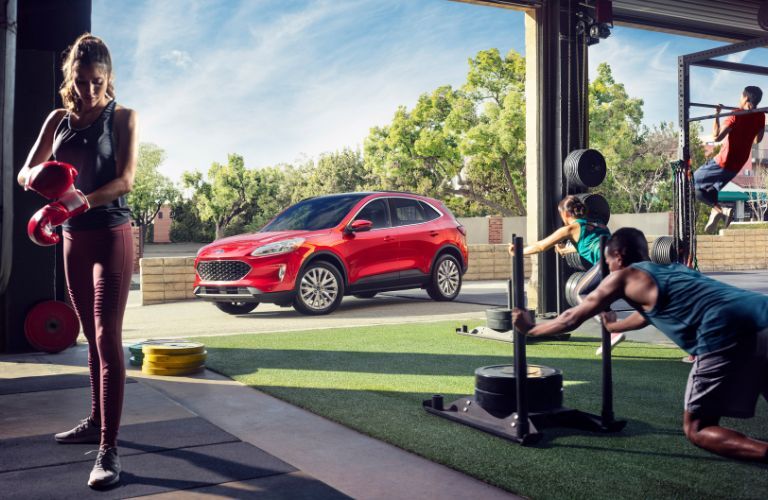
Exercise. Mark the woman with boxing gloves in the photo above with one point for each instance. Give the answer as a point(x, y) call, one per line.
point(94, 143)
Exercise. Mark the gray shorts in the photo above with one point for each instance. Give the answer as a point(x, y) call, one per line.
point(727, 382)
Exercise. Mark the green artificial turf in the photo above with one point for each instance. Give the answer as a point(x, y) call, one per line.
point(374, 379)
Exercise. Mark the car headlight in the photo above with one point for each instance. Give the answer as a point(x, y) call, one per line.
point(278, 247)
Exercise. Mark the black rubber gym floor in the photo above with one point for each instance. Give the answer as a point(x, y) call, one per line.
point(157, 457)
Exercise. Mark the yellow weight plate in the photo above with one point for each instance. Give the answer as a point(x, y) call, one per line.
point(173, 348)
point(171, 371)
point(171, 365)
point(177, 358)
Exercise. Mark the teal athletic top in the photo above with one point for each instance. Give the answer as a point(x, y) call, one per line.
point(589, 240)
point(701, 314)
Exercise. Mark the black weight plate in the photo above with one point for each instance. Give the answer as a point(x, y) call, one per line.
point(500, 325)
point(540, 399)
point(498, 313)
point(598, 208)
point(584, 168)
point(501, 379)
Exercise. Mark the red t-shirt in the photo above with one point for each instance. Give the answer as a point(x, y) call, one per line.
point(738, 143)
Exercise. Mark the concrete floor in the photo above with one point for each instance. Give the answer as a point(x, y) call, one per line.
point(345, 460)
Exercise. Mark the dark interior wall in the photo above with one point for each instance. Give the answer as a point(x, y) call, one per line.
point(45, 29)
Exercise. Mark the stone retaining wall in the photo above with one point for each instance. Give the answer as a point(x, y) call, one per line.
point(166, 279)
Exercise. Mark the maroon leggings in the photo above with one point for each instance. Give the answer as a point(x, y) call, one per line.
point(98, 264)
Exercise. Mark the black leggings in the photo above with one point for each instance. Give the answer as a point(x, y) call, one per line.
point(98, 264)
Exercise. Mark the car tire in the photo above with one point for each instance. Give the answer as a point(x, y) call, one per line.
point(366, 295)
point(319, 289)
point(236, 307)
point(445, 282)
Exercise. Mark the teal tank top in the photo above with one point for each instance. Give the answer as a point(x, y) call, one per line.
point(701, 314)
point(589, 240)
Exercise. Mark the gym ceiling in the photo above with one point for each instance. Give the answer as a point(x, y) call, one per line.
point(727, 20)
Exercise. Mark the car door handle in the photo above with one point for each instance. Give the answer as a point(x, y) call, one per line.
point(434, 233)
point(388, 238)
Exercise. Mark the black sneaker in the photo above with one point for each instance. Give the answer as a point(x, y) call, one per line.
point(106, 470)
point(85, 432)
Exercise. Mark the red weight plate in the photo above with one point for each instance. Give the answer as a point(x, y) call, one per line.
point(51, 326)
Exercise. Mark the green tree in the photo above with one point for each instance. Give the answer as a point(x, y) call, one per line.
point(616, 130)
point(466, 143)
point(228, 193)
point(151, 189)
point(186, 224)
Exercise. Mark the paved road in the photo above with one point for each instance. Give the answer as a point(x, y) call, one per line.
point(196, 318)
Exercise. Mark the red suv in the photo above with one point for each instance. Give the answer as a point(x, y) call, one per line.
point(323, 248)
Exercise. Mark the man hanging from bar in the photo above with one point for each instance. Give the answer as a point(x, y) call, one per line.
point(738, 133)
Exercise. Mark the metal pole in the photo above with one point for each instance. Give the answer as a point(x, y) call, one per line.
point(7, 178)
point(521, 364)
point(607, 413)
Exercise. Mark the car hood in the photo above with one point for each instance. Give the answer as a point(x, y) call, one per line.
point(244, 244)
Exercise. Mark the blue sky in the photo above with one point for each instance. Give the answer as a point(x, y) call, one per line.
point(279, 81)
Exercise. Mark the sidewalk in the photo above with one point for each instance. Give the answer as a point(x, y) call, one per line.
point(189, 437)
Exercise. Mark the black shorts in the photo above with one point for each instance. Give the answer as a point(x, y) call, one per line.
point(727, 382)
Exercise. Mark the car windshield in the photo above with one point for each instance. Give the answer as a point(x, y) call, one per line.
point(315, 213)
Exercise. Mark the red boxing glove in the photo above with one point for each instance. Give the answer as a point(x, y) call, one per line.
point(51, 179)
point(41, 227)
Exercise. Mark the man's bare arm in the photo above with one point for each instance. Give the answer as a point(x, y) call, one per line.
point(610, 289)
point(635, 321)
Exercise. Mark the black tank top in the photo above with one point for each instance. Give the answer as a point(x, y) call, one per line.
point(91, 150)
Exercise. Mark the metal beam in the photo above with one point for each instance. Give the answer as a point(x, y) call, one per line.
point(725, 50)
point(732, 66)
point(507, 4)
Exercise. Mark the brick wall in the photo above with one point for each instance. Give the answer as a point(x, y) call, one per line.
point(495, 229)
point(492, 262)
point(162, 223)
point(733, 250)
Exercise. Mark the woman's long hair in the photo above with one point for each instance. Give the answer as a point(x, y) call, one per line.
point(88, 50)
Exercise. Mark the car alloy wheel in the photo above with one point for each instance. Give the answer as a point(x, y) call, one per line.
point(446, 279)
point(320, 289)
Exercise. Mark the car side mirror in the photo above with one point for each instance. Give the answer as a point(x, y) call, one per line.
point(359, 226)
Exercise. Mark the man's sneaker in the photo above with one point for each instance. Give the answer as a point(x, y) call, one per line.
point(728, 216)
point(711, 226)
point(615, 339)
point(106, 470)
point(85, 432)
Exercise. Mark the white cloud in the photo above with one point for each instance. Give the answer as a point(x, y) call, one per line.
point(178, 57)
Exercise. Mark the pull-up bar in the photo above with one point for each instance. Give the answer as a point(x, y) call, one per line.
point(713, 106)
point(731, 113)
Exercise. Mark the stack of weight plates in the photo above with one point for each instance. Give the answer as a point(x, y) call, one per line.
point(172, 357)
point(496, 389)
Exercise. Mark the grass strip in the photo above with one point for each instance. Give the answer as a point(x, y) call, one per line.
point(373, 379)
